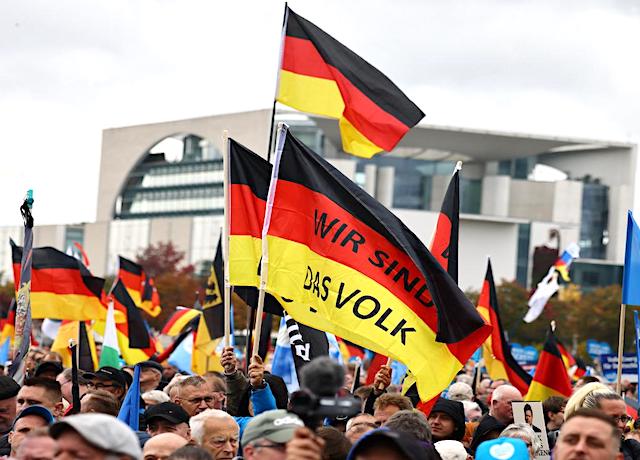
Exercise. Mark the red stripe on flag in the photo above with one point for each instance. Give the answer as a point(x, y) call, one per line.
point(247, 211)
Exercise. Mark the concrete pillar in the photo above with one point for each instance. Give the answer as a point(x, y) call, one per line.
point(495, 196)
point(384, 185)
point(370, 176)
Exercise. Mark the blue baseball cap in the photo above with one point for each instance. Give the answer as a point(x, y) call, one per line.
point(39, 411)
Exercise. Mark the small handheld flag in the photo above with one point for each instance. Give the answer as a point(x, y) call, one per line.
point(130, 410)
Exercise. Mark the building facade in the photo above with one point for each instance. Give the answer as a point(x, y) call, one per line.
point(163, 182)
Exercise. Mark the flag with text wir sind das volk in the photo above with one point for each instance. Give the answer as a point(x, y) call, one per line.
point(351, 267)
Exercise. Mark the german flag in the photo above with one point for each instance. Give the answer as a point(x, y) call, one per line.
point(249, 179)
point(9, 323)
point(177, 322)
point(567, 358)
point(320, 75)
point(496, 350)
point(61, 286)
point(352, 268)
point(444, 247)
point(579, 370)
point(150, 301)
point(132, 275)
point(551, 378)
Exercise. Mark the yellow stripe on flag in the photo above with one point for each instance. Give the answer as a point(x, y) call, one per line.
point(353, 306)
point(495, 368)
point(310, 94)
point(356, 143)
point(540, 392)
point(244, 256)
point(66, 306)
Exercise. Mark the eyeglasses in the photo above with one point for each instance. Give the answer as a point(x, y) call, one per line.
point(622, 418)
point(99, 386)
point(206, 399)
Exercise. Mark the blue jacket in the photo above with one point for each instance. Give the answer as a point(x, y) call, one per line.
point(262, 400)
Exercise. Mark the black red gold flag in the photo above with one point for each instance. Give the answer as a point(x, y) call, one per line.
point(132, 276)
point(320, 75)
point(248, 187)
point(496, 351)
point(61, 286)
point(136, 328)
point(346, 265)
point(150, 300)
point(551, 378)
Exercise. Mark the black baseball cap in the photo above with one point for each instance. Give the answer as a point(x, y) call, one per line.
point(168, 411)
point(49, 366)
point(111, 373)
point(8, 387)
point(151, 365)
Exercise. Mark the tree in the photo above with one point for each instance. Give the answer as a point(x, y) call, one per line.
point(174, 279)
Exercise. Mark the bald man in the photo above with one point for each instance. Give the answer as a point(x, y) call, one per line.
point(161, 446)
point(500, 415)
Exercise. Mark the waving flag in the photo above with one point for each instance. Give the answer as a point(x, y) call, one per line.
point(320, 75)
point(547, 287)
point(444, 247)
point(83, 336)
point(630, 284)
point(350, 267)
point(130, 409)
point(248, 187)
point(132, 275)
point(551, 378)
point(110, 355)
point(24, 288)
point(563, 263)
point(282, 363)
point(496, 351)
point(150, 300)
point(61, 286)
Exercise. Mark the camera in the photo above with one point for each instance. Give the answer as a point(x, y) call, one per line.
point(320, 382)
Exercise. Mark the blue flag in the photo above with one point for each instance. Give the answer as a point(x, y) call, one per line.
point(631, 277)
point(637, 325)
point(130, 410)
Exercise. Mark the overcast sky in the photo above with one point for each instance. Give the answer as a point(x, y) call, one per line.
point(69, 69)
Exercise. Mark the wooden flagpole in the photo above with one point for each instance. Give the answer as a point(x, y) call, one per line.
point(623, 311)
point(225, 237)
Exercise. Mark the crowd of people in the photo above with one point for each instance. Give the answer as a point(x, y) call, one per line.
point(249, 414)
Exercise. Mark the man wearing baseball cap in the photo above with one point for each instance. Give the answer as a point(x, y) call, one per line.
point(95, 436)
point(112, 380)
point(8, 391)
point(27, 420)
point(150, 375)
point(275, 433)
point(167, 417)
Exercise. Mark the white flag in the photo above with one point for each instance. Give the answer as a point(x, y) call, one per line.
point(546, 288)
